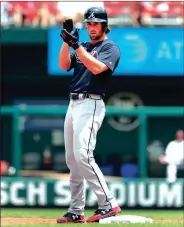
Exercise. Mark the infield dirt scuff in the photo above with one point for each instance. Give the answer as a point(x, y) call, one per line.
point(19, 221)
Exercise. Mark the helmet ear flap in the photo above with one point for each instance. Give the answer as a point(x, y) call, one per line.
point(105, 28)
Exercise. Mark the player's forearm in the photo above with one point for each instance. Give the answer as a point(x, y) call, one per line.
point(94, 65)
point(64, 57)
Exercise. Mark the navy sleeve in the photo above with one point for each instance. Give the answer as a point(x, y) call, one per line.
point(110, 56)
point(73, 61)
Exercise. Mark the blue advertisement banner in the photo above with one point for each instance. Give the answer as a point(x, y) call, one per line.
point(144, 51)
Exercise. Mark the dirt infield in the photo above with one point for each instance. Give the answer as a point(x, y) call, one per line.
point(19, 221)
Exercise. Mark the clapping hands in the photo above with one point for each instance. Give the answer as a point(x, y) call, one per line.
point(68, 35)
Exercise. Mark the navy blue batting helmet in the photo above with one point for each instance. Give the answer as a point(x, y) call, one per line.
point(97, 14)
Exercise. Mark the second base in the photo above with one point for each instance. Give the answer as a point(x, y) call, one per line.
point(126, 219)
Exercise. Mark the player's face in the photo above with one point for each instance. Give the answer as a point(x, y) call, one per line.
point(94, 30)
point(180, 135)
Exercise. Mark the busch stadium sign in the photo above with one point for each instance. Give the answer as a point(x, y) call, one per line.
point(42, 192)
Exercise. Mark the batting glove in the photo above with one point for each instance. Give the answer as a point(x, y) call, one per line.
point(72, 39)
point(68, 25)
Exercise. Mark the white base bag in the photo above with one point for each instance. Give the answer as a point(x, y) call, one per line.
point(125, 219)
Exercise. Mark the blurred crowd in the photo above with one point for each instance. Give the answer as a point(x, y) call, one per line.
point(45, 14)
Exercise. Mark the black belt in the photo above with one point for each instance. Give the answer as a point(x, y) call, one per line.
point(80, 96)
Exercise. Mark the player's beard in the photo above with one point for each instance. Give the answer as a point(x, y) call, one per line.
point(97, 37)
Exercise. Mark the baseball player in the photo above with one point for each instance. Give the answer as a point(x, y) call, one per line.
point(93, 63)
point(174, 156)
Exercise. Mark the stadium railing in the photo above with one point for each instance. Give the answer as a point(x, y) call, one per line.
point(141, 112)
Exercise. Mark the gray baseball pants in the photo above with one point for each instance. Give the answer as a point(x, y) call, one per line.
point(82, 122)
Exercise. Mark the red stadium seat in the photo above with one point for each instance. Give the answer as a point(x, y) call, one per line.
point(154, 9)
point(31, 11)
point(177, 8)
point(119, 8)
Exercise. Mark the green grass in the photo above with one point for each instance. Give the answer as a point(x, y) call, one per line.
point(55, 213)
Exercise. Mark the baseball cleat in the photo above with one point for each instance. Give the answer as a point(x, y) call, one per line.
point(71, 218)
point(104, 213)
